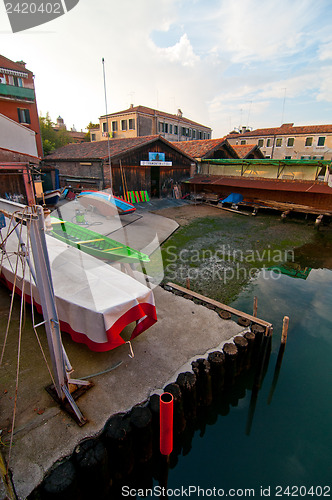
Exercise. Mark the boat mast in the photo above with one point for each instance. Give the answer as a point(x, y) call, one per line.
point(108, 134)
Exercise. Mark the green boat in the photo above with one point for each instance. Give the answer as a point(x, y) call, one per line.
point(94, 243)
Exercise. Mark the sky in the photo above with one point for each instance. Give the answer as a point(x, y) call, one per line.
point(225, 64)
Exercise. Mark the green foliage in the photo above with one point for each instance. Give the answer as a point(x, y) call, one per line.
point(52, 139)
point(89, 127)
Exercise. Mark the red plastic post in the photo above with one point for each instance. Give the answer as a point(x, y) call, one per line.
point(166, 423)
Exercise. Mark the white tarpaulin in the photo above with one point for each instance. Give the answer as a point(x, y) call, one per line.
point(95, 301)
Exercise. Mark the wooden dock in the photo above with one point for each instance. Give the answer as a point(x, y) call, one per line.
point(265, 324)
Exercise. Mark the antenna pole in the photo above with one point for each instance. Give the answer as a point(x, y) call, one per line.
point(108, 134)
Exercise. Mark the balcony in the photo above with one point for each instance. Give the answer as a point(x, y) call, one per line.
point(11, 91)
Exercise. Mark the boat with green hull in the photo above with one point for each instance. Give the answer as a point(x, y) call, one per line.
point(95, 244)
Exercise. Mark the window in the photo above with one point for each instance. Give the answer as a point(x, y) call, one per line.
point(260, 143)
point(268, 143)
point(288, 157)
point(279, 142)
point(123, 124)
point(171, 129)
point(194, 133)
point(321, 141)
point(308, 141)
point(208, 136)
point(23, 115)
point(200, 135)
point(131, 124)
point(93, 137)
point(166, 128)
point(114, 126)
point(243, 141)
point(204, 135)
point(104, 127)
point(176, 129)
point(290, 142)
point(161, 127)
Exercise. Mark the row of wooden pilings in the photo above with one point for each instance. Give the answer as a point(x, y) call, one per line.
point(127, 450)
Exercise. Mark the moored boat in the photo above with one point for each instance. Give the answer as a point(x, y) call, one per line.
point(105, 203)
point(94, 243)
point(52, 197)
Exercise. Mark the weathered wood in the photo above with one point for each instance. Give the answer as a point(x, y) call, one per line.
point(215, 303)
point(255, 308)
point(187, 384)
point(201, 368)
point(284, 330)
point(217, 370)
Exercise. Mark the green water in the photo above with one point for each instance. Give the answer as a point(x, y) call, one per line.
point(289, 441)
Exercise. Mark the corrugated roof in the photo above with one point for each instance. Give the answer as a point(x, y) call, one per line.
point(260, 183)
point(99, 149)
point(285, 129)
point(154, 112)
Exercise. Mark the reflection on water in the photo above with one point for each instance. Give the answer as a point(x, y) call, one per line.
point(281, 434)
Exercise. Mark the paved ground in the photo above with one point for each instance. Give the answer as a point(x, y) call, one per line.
point(44, 433)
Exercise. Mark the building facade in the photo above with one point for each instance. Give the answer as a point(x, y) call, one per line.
point(312, 142)
point(148, 163)
point(18, 99)
point(138, 121)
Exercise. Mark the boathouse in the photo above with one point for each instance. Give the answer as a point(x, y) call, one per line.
point(304, 183)
point(149, 163)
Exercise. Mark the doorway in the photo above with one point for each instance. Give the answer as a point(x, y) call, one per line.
point(155, 182)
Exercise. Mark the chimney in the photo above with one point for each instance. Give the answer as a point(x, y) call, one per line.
point(22, 63)
point(131, 106)
point(179, 113)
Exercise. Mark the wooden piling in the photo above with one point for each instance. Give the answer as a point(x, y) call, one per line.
point(117, 437)
point(61, 483)
point(217, 370)
point(284, 330)
point(187, 383)
point(231, 353)
point(141, 422)
point(241, 344)
point(201, 368)
point(91, 460)
point(255, 308)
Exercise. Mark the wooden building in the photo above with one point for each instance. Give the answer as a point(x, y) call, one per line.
point(148, 163)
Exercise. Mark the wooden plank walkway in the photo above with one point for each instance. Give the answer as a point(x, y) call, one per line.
point(268, 326)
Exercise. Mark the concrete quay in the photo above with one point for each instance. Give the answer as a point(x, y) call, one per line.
point(43, 432)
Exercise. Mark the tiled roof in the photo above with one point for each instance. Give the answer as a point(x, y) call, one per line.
point(8, 64)
point(285, 129)
point(99, 149)
point(154, 112)
point(200, 148)
point(243, 150)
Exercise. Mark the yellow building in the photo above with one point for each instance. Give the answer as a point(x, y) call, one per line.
point(138, 121)
point(310, 142)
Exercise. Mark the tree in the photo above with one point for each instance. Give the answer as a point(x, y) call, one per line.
point(89, 127)
point(52, 138)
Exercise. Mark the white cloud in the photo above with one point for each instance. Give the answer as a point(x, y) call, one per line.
point(182, 52)
point(253, 31)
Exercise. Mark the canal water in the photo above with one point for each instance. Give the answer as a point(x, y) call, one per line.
point(280, 444)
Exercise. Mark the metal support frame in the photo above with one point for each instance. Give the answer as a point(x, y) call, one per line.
point(44, 284)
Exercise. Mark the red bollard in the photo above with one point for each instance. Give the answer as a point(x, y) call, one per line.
point(166, 423)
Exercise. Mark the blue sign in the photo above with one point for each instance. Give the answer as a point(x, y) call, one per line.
point(156, 156)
